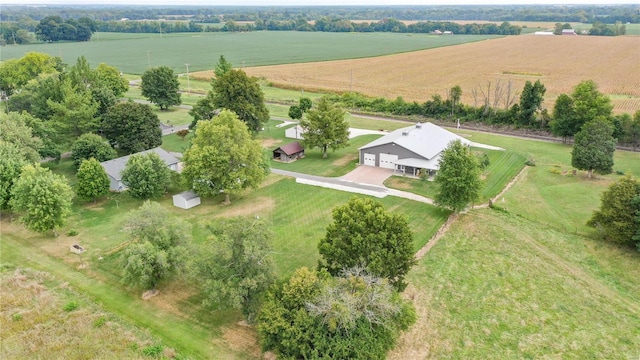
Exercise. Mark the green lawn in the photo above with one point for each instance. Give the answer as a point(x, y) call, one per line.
point(502, 285)
point(337, 163)
point(504, 166)
point(173, 116)
point(134, 53)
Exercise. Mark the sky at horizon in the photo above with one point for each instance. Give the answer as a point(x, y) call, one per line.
point(318, 2)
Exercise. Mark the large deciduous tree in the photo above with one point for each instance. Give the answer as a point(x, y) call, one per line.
point(236, 91)
point(93, 180)
point(617, 216)
point(593, 147)
point(234, 267)
point(146, 176)
point(15, 130)
point(325, 127)
point(223, 157)
point(458, 178)
point(364, 234)
point(160, 85)
point(132, 127)
point(160, 246)
point(16, 73)
point(586, 103)
point(110, 77)
point(353, 316)
point(12, 160)
point(565, 121)
point(531, 100)
point(42, 198)
point(89, 146)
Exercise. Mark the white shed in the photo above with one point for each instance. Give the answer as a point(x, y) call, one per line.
point(294, 132)
point(186, 200)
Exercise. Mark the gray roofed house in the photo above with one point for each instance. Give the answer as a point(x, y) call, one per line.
point(115, 167)
point(410, 149)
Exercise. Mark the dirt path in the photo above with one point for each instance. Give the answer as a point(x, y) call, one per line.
point(434, 239)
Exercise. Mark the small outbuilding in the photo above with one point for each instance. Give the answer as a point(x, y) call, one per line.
point(186, 200)
point(288, 153)
point(294, 132)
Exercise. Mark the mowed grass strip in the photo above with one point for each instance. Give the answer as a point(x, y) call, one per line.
point(503, 167)
point(501, 286)
point(134, 53)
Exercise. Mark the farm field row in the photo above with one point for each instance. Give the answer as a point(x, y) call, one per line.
point(559, 62)
point(134, 53)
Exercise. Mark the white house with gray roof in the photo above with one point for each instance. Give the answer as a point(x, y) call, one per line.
point(115, 167)
point(410, 149)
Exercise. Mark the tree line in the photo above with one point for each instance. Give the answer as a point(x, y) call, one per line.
point(573, 13)
point(501, 104)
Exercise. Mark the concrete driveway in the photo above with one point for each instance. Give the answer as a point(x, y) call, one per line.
point(371, 175)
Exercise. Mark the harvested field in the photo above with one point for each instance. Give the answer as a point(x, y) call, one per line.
point(560, 62)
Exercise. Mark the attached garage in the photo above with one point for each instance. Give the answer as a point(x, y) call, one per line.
point(388, 161)
point(369, 159)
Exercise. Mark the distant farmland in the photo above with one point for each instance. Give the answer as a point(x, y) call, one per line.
point(134, 53)
point(560, 62)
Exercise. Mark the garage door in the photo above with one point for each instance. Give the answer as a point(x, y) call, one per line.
point(388, 161)
point(370, 159)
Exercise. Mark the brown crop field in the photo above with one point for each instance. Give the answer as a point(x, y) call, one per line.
point(559, 62)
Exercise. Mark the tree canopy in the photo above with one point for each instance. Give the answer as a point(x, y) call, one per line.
point(458, 178)
point(160, 247)
point(54, 28)
point(223, 157)
point(364, 234)
point(12, 160)
point(89, 146)
point(42, 198)
point(325, 127)
point(234, 267)
point(353, 316)
point(617, 217)
point(93, 180)
point(593, 147)
point(586, 103)
point(132, 127)
point(237, 92)
point(531, 100)
point(146, 176)
point(161, 87)
point(15, 130)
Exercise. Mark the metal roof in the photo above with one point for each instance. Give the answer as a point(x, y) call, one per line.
point(114, 167)
point(424, 139)
point(187, 195)
point(291, 148)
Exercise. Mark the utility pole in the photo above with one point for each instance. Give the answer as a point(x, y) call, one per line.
point(188, 84)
